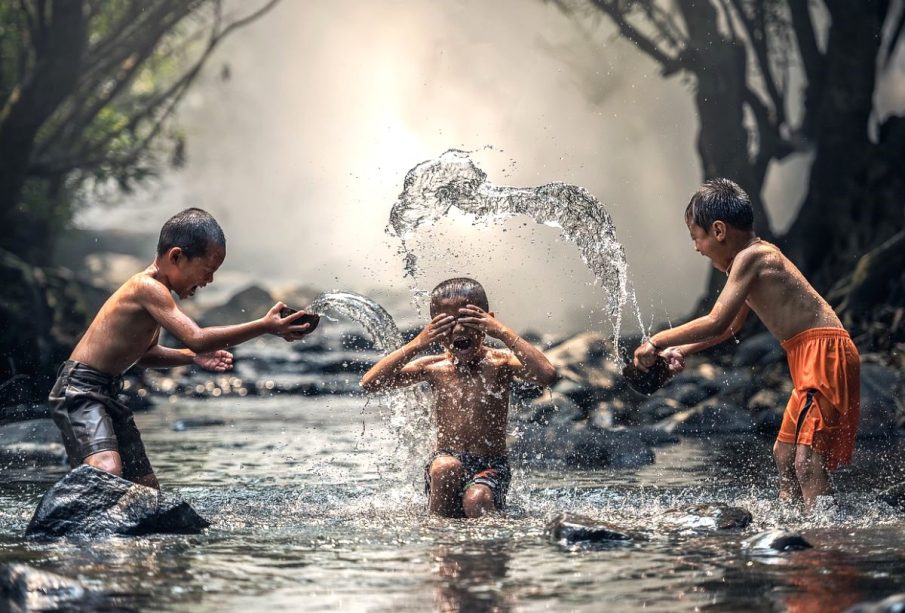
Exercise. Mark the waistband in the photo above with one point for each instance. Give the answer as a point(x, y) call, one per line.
point(464, 456)
point(812, 333)
point(87, 375)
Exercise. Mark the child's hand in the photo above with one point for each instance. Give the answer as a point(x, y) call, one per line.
point(675, 358)
point(217, 361)
point(285, 326)
point(439, 326)
point(476, 318)
point(645, 355)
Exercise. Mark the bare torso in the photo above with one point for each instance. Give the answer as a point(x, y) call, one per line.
point(471, 403)
point(783, 299)
point(122, 331)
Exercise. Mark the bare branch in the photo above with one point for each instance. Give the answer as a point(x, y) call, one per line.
point(807, 40)
point(668, 63)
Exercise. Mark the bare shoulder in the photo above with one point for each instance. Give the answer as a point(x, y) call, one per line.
point(143, 285)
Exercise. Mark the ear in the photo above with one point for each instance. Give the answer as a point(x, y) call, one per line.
point(719, 230)
point(175, 255)
point(491, 313)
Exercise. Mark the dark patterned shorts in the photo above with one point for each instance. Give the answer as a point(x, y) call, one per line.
point(479, 470)
point(84, 406)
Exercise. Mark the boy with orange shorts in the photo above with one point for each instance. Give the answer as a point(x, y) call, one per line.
point(821, 419)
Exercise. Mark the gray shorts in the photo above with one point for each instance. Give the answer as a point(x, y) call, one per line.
point(84, 407)
point(479, 470)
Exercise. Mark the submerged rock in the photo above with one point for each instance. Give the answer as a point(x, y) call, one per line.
point(89, 501)
point(568, 529)
point(894, 496)
point(23, 588)
point(189, 424)
point(713, 516)
point(774, 541)
point(892, 604)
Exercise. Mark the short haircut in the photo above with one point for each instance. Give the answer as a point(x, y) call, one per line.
point(723, 200)
point(192, 230)
point(460, 287)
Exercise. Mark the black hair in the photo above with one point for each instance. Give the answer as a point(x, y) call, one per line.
point(723, 200)
point(460, 287)
point(192, 230)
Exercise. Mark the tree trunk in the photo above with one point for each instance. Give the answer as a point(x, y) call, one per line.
point(835, 224)
point(59, 51)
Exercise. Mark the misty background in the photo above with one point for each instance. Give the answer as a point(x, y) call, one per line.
point(302, 128)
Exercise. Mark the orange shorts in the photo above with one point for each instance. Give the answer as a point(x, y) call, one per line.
point(825, 406)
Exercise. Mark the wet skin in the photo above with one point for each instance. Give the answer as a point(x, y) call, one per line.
point(126, 329)
point(471, 384)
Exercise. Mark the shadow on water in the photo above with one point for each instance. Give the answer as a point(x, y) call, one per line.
point(309, 511)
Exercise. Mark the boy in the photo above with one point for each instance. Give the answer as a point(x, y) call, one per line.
point(468, 474)
point(820, 421)
point(98, 429)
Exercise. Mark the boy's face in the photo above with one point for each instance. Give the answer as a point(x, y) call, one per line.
point(190, 274)
point(711, 243)
point(465, 344)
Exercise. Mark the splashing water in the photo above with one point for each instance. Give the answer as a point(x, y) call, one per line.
point(433, 187)
point(405, 411)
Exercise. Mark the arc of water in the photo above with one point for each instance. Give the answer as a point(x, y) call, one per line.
point(433, 187)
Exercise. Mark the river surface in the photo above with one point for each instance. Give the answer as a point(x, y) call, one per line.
point(311, 512)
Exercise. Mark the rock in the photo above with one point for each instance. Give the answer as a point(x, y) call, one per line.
point(894, 497)
point(251, 302)
point(596, 448)
point(658, 408)
point(774, 541)
point(892, 604)
point(568, 529)
point(588, 358)
point(713, 416)
point(713, 516)
point(33, 454)
point(758, 350)
point(23, 588)
point(880, 386)
point(89, 502)
point(656, 436)
point(31, 431)
point(182, 425)
point(36, 442)
point(689, 394)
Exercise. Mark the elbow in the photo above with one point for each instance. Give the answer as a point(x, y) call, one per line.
point(196, 343)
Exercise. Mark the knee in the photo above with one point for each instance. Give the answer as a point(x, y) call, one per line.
point(477, 501)
point(782, 454)
point(107, 461)
point(445, 469)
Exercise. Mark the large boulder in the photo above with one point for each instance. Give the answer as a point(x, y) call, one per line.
point(759, 350)
point(250, 303)
point(89, 502)
point(23, 588)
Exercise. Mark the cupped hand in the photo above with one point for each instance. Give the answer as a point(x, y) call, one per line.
point(476, 318)
point(645, 356)
point(674, 358)
point(217, 361)
point(285, 326)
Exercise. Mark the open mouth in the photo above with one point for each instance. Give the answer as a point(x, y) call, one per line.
point(462, 344)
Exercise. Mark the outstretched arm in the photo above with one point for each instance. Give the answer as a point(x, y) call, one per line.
point(528, 362)
point(723, 320)
point(158, 356)
point(160, 304)
point(394, 370)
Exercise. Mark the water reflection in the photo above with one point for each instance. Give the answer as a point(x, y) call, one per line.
point(472, 579)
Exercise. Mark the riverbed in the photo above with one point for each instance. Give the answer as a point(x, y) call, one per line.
point(314, 508)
